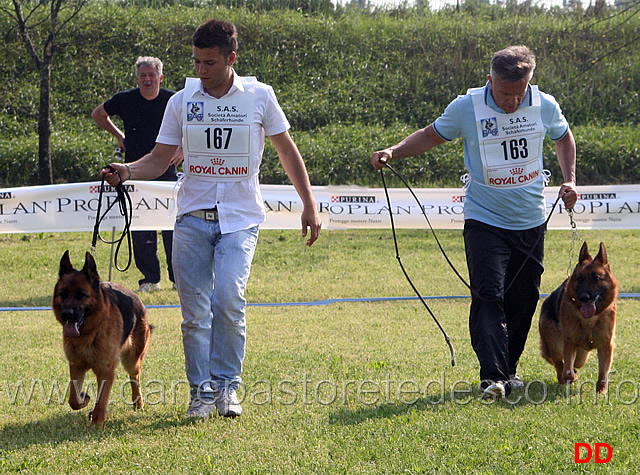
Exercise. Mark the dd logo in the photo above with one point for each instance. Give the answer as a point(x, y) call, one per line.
point(589, 453)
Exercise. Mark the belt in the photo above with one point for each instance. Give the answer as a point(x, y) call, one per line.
point(206, 214)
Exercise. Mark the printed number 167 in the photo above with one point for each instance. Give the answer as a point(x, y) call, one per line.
point(219, 136)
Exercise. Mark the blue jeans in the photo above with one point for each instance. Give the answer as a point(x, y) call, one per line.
point(211, 271)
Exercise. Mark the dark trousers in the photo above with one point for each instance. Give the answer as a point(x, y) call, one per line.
point(499, 321)
point(145, 251)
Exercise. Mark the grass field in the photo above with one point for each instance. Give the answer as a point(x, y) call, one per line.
point(348, 387)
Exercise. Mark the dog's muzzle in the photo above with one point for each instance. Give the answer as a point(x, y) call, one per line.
point(588, 304)
point(72, 323)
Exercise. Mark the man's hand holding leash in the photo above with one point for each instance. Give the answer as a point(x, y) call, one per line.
point(380, 158)
point(419, 142)
point(116, 173)
point(569, 195)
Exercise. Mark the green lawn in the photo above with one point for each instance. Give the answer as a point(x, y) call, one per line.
point(347, 387)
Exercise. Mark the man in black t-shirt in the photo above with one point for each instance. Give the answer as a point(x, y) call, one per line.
point(141, 110)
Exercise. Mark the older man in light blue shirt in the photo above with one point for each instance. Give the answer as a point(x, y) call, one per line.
point(503, 125)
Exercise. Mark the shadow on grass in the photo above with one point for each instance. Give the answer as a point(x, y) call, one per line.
point(530, 396)
point(74, 426)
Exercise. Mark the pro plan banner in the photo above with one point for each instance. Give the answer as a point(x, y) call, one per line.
point(73, 207)
point(598, 207)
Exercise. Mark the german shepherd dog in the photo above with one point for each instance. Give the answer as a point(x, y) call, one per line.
point(580, 316)
point(102, 322)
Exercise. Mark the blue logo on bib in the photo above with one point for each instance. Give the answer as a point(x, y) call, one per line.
point(195, 111)
point(489, 127)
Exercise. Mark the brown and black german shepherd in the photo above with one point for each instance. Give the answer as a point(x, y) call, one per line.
point(102, 323)
point(580, 316)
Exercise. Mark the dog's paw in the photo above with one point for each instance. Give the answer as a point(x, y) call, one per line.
point(97, 419)
point(96, 425)
point(83, 401)
point(602, 386)
point(137, 401)
point(570, 377)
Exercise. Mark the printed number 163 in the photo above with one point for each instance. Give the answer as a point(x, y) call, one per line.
point(515, 149)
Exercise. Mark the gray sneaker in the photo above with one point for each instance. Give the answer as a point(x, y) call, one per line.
point(516, 381)
point(227, 403)
point(494, 391)
point(148, 287)
point(200, 408)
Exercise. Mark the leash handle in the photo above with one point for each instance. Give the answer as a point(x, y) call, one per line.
point(96, 226)
point(126, 210)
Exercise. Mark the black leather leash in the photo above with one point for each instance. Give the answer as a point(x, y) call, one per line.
point(395, 241)
point(126, 211)
point(462, 279)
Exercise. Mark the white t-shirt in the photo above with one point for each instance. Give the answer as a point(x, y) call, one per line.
point(240, 204)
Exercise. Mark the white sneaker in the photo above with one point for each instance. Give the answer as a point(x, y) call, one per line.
point(515, 381)
point(227, 403)
point(148, 287)
point(200, 408)
point(494, 391)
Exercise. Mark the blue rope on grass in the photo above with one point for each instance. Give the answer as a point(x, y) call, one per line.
point(312, 303)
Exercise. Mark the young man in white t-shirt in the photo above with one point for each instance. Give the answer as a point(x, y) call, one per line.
point(221, 120)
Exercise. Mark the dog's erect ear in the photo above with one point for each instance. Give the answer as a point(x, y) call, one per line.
point(584, 253)
point(602, 255)
point(90, 269)
point(65, 264)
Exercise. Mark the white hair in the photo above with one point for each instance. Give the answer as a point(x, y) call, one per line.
point(149, 61)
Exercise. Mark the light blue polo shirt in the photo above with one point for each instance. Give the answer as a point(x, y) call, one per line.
point(514, 208)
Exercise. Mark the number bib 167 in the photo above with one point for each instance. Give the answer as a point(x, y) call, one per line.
point(217, 137)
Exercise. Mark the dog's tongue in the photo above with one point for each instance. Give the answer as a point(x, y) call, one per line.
point(588, 310)
point(71, 329)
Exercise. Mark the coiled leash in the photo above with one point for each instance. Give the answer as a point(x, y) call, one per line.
point(395, 242)
point(126, 210)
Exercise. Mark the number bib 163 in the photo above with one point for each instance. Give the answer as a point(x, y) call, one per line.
point(510, 144)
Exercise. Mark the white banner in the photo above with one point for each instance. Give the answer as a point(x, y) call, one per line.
point(598, 207)
point(73, 207)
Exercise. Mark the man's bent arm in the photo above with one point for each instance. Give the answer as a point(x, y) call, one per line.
point(100, 116)
point(417, 143)
point(151, 166)
point(566, 152)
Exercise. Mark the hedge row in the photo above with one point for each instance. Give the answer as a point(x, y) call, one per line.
point(339, 155)
point(349, 81)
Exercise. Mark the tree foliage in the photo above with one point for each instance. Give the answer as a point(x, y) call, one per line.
point(40, 23)
point(350, 79)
